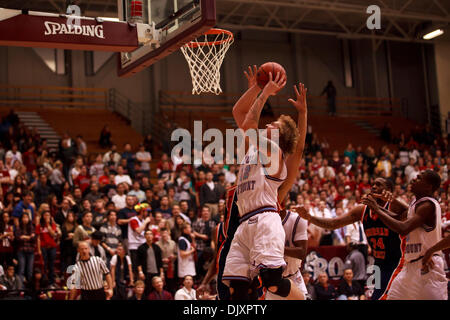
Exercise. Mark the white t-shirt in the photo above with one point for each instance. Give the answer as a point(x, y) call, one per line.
point(183, 294)
point(230, 177)
point(352, 231)
point(119, 201)
point(146, 155)
point(123, 178)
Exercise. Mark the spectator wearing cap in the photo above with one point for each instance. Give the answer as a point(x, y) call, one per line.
point(136, 232)
point(149, 261)
point(83, 231)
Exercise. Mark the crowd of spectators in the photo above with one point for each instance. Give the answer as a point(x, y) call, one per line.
point(153, 226)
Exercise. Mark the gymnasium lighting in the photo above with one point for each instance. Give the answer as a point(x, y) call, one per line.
point(433, 34)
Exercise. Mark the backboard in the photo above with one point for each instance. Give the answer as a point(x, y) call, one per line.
point(170, 23)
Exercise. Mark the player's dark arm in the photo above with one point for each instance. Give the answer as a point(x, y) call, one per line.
point(293, 161)
point(332, 223)
point(441, 245)
point(299, 252)
point(245, 102)
point(423, 213)
point(398, 208)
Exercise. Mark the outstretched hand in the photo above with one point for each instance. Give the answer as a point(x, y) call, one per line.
point(302, 212)
point(300, 98)
point(427, 262)
point(251, 76)
point(274, 85)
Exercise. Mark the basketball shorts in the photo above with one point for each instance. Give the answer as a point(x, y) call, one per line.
point(411, 284)
point(297, 280)
point(258, 243)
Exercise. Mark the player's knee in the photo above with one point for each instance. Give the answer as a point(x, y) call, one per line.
point(272, 279)
point(239, 290)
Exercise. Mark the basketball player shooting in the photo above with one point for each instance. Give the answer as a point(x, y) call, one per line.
point(295, 228)
point(258, 244)
point(422, 229)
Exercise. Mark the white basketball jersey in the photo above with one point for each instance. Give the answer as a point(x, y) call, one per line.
point(295, 228)
point(424, 237)
point(255, 188)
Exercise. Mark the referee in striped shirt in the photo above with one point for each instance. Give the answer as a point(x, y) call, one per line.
point(89, 271)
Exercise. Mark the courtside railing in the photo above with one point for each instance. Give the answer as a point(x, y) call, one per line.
point(53, 96)
point(170, 101)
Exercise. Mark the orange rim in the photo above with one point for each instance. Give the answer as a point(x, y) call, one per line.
point(229, 38)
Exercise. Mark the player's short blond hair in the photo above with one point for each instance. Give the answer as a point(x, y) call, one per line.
point(288, 134)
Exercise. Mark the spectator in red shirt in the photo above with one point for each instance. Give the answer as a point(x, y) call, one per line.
point(29, 159)
point(83, 179)
point(159, 293)
point(47, 236)
point(5, 179)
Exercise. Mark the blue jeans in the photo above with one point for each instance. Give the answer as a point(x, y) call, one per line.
point(49, 255)
point(26, 260)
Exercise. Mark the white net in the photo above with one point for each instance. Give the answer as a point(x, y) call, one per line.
point(205, 56)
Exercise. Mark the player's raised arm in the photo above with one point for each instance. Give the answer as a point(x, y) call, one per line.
point(251, 120)
point(293, 161)
point(245, 102)
point(334, 223)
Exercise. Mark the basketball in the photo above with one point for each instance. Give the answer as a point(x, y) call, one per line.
point(262, 76)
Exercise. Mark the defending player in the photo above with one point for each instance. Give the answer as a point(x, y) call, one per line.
point(422, 230)
point(386, 244)
point(258, 244)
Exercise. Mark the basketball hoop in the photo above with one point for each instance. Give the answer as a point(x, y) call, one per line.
point(205, 56)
